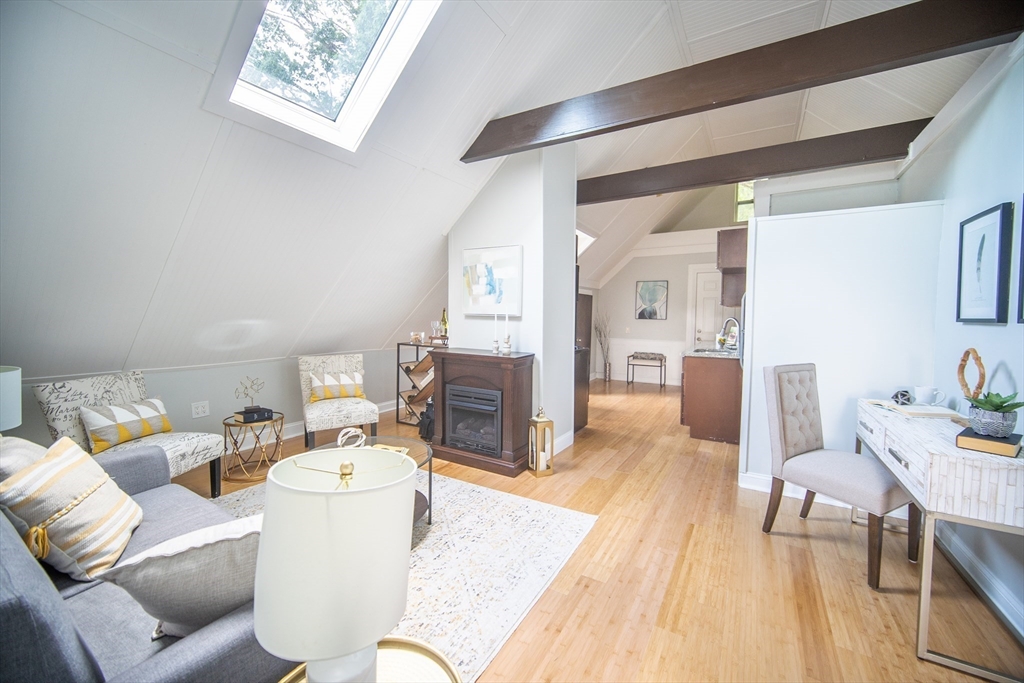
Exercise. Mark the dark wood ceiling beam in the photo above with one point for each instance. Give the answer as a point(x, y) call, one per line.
point(885, 143)
point(911, 34)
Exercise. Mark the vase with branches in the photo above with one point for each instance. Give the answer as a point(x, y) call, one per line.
point(603, 330)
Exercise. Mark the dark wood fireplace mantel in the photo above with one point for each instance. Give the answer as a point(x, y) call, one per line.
point(513, 377)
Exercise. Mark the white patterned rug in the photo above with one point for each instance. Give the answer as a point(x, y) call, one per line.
point(477, 570)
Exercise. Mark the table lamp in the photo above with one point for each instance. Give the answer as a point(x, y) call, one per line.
point(10, 397)
point(332, 571)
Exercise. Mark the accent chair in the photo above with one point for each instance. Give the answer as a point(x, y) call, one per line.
point(799, 457)
point(334, 413)
point(185, 451)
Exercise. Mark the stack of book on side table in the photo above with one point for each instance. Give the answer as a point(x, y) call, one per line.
point(971, 440)
point(254, 414)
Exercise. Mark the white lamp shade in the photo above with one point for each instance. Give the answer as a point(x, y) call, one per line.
point(332, 571)
point(10, 397)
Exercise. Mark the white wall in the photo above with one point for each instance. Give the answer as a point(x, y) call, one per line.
point(667, 336)
point(851, 291)
point(976, 164)
point(557, 361)
point(530, 201)
point(852, 196)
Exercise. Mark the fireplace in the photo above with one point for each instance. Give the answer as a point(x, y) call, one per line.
point(489, 390)
point(473, 417)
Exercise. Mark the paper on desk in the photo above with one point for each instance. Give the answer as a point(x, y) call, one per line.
point(914, 410)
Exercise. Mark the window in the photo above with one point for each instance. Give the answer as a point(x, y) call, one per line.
point(744, 201)
point(320, 67)
point(583, 240)
point(310, 53)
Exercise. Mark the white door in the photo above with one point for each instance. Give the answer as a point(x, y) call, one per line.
point(708, 312)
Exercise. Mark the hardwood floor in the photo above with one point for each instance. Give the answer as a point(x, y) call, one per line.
point(676, 582)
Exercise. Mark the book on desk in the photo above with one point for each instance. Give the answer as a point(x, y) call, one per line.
point(972, 441)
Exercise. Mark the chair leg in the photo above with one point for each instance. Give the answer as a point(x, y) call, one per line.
point(373, 429)
point(306, 434)
point(808, 502)
point(773, 504)
point(874, 549)
point(215, 478)
point(913, 531)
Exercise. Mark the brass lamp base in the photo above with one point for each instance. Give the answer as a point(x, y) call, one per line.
point(401, 660)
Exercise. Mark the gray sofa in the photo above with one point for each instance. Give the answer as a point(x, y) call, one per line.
point(53, 628)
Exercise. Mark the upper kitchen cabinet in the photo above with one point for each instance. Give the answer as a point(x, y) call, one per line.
point(732, 261)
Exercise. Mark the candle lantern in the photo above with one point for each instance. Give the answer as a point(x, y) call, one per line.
point(542, 445)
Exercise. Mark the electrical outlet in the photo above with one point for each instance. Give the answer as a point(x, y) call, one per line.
point(201, 409)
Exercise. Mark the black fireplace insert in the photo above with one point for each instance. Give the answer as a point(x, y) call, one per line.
point(473, 419)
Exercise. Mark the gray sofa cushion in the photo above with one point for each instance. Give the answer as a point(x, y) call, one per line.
point(137, 470)
point(225, 650)
point(167, 511)
point(40, 642)
point(115, 628)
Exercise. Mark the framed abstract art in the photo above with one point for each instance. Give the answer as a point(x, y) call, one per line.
point(983, 279)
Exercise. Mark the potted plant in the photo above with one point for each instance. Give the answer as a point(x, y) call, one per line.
point(602, 330)
point(994, 414)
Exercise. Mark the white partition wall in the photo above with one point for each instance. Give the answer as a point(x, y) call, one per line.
point(851, 291)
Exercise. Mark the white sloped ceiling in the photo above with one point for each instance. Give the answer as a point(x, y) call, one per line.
point(138, 230)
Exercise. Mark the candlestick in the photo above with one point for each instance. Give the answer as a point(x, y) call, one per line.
point(495, 349)
point(506, 349)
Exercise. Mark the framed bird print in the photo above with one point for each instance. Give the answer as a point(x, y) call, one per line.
point(983, 282)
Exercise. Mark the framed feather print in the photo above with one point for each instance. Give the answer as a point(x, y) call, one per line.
point(983, 282)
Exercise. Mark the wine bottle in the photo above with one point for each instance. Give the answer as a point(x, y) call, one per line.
point(444, 322)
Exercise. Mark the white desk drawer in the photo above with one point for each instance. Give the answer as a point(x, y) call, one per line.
point(909, 464)
point(870, 430)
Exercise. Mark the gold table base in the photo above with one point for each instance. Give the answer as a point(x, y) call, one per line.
point(264, 433)
point(401, 660)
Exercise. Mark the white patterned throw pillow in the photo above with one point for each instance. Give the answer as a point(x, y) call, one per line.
point(328, 385)
point(110, 425)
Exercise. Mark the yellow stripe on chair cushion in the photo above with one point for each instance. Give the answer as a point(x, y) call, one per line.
point(328, 385)
point(110, 425)
point(70, 512)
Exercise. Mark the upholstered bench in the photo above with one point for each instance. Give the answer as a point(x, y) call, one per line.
point(646, 359)
point(61, 403)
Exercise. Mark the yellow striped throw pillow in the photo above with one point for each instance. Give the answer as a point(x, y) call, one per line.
point(70, 512)
point(110, 425)
point(325, 385)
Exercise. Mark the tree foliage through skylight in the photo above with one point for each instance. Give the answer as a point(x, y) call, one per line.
point(310, 52)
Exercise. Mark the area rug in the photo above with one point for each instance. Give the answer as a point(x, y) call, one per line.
point(477, 570)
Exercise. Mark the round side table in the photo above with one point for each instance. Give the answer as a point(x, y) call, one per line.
point(245, 464)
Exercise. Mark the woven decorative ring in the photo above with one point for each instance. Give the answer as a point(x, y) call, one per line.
point(971, 353)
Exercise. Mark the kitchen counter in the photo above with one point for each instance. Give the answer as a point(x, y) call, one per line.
point(710, 399)
point(724, 353)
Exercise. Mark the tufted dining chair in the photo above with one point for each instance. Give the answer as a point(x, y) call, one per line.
point(799, 457)
point(333, 413)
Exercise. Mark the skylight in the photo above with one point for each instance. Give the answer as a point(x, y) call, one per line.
point(744, 201)
point(325, 67)
point(583, 240)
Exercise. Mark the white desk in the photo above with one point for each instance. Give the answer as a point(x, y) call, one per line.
point(946, 483)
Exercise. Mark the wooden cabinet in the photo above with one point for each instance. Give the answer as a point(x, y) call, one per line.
point(732, 250)
point(732, 261)
point(513, 377)
point(584, 323)
point(582, 391)
point(711, 398)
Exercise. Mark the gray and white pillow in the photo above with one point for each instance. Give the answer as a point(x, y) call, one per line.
point(194, 579)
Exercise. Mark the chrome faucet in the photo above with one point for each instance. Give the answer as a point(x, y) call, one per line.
point(721, 341)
